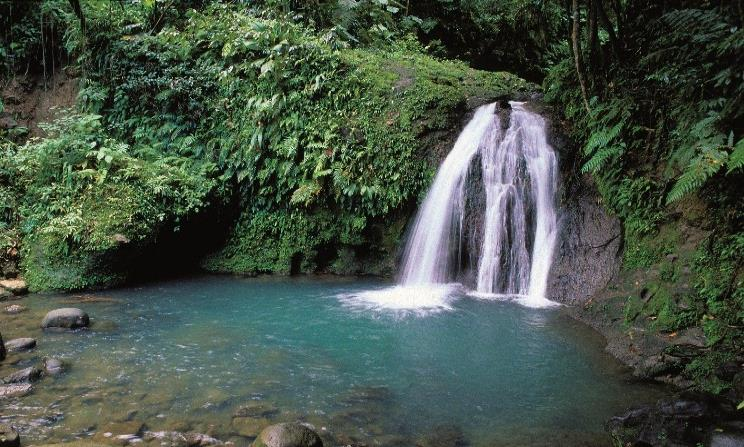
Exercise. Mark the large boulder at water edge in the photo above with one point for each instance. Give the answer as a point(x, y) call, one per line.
point(15, 286)
point(288, 435)
point(9, 437)
point(68, 317)
point(20, 344)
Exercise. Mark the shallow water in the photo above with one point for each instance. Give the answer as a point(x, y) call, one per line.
point(186, 354)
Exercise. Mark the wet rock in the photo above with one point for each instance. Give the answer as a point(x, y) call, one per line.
point(15, 286)
point(250, 427)
point(30, 374)
point(20, 344)
point(444, 436)
point(687, 419)
point(727, 439)
point(288, 435)
point(8, 391)
point(53, 366)
point(14, 309)
point(588, 248)
point(5, 294)
point(120, 433)
point(690, 337)
point(9, 437)
point(727, 371)
point(179, 439)
point(68, 318)
point(256, 410)
point(2, 348)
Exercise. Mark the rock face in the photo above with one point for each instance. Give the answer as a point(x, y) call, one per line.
point(588, 249)
point(68, 318)
point(288, 435)
point(20, 344)
point(9, 437)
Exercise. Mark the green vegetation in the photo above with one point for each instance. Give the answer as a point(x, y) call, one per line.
point(316, 124)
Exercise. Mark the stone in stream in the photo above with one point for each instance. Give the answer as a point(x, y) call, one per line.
point(20, 344)
point(68, 318)
point(9, 437)
point(120, 432)
point(14, 309)
point(53, 367)
point(14, 286)
point(5, 294)
point(20, 390)
point(290, 434)
point(176, 438)
point(30, 374)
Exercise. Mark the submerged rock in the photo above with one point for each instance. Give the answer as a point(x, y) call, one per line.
point(30, 374)
point(250, 427)
point(15, 309)
point(256, 410)
point(68, 318)
point(120, 432)
point(179, 439)
point(9, 437)
point(20, 344)
point(290, 434)
point(7, 391)
point(54, 366)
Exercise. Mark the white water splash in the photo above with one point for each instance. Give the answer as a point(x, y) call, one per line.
point(420, 300)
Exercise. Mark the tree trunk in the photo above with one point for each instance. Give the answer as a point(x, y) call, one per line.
point(575, 35)
point(78, 10)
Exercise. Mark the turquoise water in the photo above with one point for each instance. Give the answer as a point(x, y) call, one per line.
point(186, 354)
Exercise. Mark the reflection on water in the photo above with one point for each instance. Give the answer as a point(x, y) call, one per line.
point(227, 356)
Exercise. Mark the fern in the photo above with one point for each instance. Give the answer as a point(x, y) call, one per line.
point(600, 159)
point(736, 158)
point(700, 169)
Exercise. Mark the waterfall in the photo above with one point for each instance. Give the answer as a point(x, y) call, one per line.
point(519, 175)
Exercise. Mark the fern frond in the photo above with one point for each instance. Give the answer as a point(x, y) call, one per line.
point(700, 169)
point(736, 158)
point(601, 158)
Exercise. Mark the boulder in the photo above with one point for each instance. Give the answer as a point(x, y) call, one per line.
point(290, 434)
point(14, 286)
point(2, 348)
point(16, 390)
point(14, 309)
point(30, 374)
point(20, 344)
point(68, 318)
point(9, 437)
point(53, 367)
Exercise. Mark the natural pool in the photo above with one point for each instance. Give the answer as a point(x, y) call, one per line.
point(186, 354)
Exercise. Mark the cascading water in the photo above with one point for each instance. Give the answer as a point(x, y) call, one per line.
point(519, 174)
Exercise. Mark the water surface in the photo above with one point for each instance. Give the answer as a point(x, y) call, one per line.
point(185, 354)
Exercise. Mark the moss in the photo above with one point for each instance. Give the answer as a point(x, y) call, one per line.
point(408, 110)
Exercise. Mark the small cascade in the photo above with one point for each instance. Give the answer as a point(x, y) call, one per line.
point(519, 177)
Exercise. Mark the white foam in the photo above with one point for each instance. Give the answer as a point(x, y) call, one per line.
point(417, 299)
